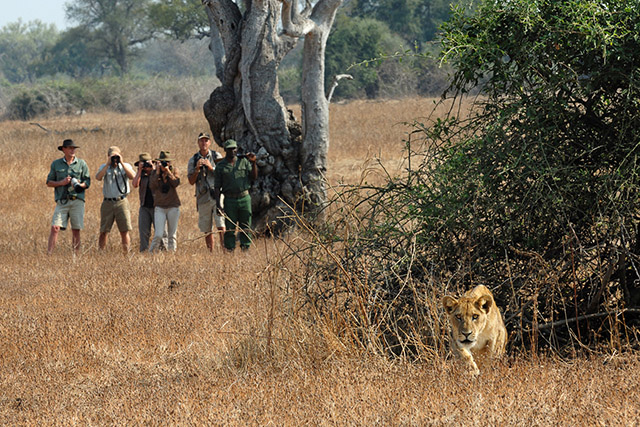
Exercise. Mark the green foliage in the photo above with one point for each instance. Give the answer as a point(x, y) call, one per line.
point(21, 46)
point(354, 40)
point(289, 80)
point(180, 19)
point(115, 28)
point(75, 54)
point(27, 105)
point(417, 21)
point(534, 193)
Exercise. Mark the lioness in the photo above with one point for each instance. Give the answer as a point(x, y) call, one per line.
point(477, 328)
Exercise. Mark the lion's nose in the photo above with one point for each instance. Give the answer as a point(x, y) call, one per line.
point(466, 334)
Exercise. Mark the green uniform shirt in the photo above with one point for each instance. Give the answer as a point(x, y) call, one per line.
point(233, 179)
point(77, 169)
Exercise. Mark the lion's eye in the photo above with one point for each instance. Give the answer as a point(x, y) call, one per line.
point(475, 317)
point(459, 317)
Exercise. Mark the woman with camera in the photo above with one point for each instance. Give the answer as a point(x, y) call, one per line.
point(163, 182)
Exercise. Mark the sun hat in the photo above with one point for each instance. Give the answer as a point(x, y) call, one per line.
point(67, 143)
point(114, 151)
point(204, 135)
point(230, 143)
point(165, 156)
point(143, 157)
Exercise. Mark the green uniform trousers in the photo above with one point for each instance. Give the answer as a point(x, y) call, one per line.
point(237, 214)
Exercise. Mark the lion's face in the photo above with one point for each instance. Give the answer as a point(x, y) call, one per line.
point(468, 318)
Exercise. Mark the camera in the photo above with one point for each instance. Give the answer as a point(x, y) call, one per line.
point(115, 160)
point(76, 185)
point(164, 163)
point(147, 165)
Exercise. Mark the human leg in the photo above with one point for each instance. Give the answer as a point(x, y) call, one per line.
point(75, 240)
point(231, 219)
point(219, 222)
point(59, 221)
point(159, 220)
point(145, 219)
point(206, 209)
point(106, 221)
point(126, 241)
point(53, 239)
point(122, 214)
point(76, 218)
point(244, 221)
point(173, 215)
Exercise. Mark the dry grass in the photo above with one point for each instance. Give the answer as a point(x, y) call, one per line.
point(190, 338)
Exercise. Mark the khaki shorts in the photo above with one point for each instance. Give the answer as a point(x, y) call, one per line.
point(69, 210)
point(207, 215)
point(117, 211)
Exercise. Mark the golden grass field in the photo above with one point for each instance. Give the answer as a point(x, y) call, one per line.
point(193, 338)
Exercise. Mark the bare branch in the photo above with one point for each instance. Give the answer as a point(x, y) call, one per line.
point(334, 84)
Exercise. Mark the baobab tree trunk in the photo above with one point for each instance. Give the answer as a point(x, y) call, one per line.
point(248, 107)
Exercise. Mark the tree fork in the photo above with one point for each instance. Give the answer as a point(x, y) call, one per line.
point(248, 107)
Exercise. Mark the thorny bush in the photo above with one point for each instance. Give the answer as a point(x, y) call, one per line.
point(534, 193)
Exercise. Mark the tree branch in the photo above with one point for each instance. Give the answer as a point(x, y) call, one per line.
point(334, 84)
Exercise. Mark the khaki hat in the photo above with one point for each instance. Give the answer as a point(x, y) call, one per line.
point(204, 135)
point(114, 151)
point(143, 157)
point(67, 143)
point(230, 143)
point(165, 155)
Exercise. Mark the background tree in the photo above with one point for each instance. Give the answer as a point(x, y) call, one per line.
point(354, 40)
point(74, 53)
point(116, 27)
point(415, 20)
point(21, 49)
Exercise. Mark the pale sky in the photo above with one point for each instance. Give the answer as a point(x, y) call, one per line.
point(48, 11)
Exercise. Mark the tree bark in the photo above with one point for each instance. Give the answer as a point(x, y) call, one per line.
point(248, 107)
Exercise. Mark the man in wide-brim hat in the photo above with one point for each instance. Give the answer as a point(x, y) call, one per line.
point(69, 176)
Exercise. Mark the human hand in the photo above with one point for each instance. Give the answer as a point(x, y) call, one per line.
point(251, 157)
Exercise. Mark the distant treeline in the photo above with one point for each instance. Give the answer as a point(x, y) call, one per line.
point(153, 54)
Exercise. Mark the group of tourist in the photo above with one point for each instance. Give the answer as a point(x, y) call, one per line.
point(221, 183)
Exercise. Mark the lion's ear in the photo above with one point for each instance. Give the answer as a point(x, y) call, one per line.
point(449, 304)
point(484, 303)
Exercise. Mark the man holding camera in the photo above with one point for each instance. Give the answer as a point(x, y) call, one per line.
point(200, 172)
point(115, 206)
point(69, 176)
point(233, 177)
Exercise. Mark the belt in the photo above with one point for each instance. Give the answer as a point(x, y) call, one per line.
point(72, 197)
point(113, 199)
point(237, 195)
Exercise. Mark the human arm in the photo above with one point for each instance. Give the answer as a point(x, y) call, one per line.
point(138, 177)
point(64, 181)
point(102, 171)
point(195, 167)
point(128, 170)
point(85, 177)
point(170, 174)
point(254, 168)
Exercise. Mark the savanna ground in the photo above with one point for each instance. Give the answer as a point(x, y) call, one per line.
point(197, 339)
